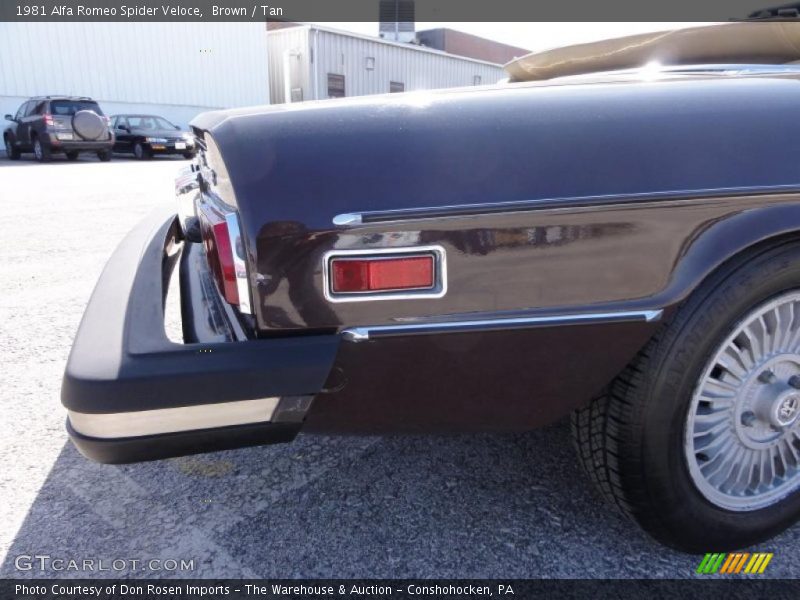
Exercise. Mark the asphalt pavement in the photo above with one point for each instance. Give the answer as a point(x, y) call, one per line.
point(471, 506)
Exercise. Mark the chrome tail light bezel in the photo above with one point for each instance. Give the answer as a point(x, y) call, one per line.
point(239, 262)
point(438, 290)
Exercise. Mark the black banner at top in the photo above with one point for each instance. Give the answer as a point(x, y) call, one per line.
point(373, 10)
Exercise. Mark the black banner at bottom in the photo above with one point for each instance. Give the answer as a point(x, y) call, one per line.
point(204, 589)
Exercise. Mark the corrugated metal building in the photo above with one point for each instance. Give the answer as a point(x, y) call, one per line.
point(308, 62)
point(176, 70)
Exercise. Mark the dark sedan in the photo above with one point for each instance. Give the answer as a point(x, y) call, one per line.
point(146, 135)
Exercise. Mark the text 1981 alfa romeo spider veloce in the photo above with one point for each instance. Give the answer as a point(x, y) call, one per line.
point(617, 243)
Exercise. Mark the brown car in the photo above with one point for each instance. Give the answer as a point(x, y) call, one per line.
point(623, 247)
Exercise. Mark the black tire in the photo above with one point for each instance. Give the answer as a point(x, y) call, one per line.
point(72, 155)
point(142, 152)
point(41, 150)
point(189, 155)
point(104, 155)
point(12, 152)
point(630, 440)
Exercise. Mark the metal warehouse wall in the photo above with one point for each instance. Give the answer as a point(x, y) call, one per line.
point(417, 68)
point(177, 69)
point(280, 41)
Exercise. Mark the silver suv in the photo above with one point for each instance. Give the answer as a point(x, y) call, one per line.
point(46, 125)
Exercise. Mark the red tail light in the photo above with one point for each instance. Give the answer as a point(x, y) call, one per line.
point(48, 120)
point(221, 250)
point(225, 254)
point(382, 274)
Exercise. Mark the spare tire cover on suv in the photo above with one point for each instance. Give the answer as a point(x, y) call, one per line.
point(88, 124)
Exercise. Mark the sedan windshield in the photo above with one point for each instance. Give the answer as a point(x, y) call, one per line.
point(149, 122)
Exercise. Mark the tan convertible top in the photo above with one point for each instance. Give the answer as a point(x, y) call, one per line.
point(726, 43)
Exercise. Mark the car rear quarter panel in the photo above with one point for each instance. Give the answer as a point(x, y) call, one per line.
point(548, 200)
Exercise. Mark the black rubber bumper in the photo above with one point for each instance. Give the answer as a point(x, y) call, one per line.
point(122, 361)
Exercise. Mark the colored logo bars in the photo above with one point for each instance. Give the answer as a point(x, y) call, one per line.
point(734, 563)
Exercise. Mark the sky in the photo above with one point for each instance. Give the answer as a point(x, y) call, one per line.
point(531, 36)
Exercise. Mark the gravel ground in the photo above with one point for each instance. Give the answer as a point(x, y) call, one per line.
point(462, 506)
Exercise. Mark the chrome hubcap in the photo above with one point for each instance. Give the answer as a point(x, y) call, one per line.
point(37, 149)
point(742, 438)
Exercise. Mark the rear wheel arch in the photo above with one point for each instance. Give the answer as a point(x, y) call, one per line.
point(745, 254)
point(727, 243)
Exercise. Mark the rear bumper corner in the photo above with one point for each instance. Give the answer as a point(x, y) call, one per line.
point(132, 394)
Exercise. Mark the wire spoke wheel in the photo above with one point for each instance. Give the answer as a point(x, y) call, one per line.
point(742, 437)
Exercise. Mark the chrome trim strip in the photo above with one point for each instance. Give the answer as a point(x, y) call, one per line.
point(464, 210)
point(438, 291)
point(239, 264)
point(171, 420)
point(363, 334)
point(186, 189)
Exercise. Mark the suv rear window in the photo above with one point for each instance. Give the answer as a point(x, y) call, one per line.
point(70, 107)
